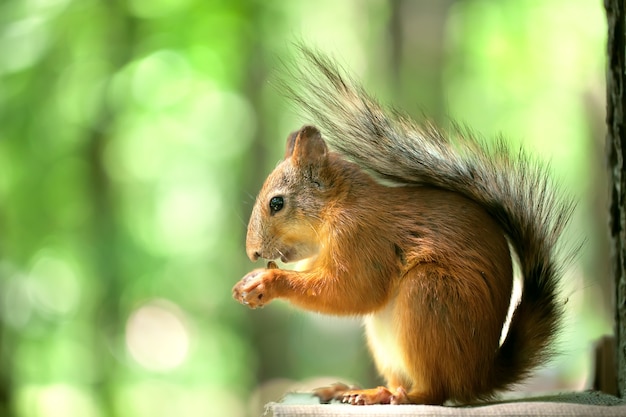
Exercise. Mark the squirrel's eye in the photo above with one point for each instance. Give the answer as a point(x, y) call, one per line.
point(276, 204)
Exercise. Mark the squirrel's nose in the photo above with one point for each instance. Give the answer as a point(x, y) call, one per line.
point(253, 255)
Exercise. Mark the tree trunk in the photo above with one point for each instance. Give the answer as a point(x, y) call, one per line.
point(616, 141)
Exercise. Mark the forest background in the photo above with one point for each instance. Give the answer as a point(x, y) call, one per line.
point(135, 134)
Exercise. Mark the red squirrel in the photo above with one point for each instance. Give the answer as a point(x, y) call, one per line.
point(411, 229)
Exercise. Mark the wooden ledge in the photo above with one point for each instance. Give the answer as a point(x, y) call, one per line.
point(567, 404)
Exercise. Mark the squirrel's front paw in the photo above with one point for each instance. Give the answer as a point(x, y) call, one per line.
point(252, 290)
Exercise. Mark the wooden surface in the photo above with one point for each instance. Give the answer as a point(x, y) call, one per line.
point(568, 404)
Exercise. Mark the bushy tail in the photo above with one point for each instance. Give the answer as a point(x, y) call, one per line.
point(515, 189)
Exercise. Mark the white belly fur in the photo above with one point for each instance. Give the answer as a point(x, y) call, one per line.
point(381, 330)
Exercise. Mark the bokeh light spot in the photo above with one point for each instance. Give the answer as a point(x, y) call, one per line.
point(55, 288)
point(156, 336)
point(161, 79)
point(56, 400)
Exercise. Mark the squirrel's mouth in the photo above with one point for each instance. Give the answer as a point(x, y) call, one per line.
point(287, 256)
point(290, 255)
point(284, 256)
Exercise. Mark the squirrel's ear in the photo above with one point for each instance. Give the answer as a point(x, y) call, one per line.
point(306, 145)
point(291, 141)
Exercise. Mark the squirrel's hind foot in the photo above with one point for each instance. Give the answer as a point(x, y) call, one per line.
point(332, 392)
point(378, 395)
point(356, 396)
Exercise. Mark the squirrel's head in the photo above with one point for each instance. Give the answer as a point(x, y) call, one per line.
point(287, 214)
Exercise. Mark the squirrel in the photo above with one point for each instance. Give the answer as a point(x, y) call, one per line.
point(410, 228)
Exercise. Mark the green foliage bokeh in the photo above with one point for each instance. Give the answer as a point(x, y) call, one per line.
point(134, 135)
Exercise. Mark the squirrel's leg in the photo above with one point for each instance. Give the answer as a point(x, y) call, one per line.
point(439, 311)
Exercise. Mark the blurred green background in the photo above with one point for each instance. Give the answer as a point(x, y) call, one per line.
point(135, 134)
